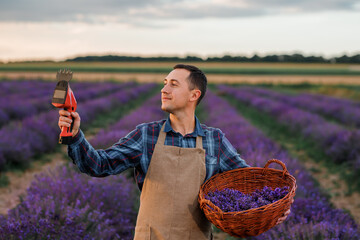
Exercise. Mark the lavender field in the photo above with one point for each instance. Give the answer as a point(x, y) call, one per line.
point(65, 204)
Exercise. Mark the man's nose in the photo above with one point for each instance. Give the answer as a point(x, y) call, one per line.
point(165, 89)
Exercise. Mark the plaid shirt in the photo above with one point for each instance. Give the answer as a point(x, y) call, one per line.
point(136, 149)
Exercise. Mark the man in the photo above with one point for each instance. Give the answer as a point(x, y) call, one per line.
point(172, 158)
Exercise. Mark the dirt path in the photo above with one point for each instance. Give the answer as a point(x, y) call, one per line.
point(212, 78)
point(337, 188)
point(20, 181)
point(332, 184)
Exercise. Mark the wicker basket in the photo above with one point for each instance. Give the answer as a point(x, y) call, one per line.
point(254, 221)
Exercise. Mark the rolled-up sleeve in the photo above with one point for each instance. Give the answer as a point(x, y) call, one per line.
point(122, 155)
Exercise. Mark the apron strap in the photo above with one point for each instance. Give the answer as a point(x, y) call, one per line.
point(162, 136)
point(199, 140)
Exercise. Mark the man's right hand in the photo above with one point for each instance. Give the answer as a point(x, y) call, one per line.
point(64, 121)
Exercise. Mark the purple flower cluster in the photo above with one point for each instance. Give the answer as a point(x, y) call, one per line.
point(37, 134)
point(340, 144)
point(232, 200)
point(64, 204)
point(312, 216)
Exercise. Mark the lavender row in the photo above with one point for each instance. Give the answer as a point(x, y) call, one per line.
point(344, 111)
point(16, 96)
point(311, 216)
point(340, 144)
point(334, 100)
point(148, 112)
point(38, 98)
point(64, 204)
point(21, 88)
point(20, 141)
point(20, 107)
point(35, 88)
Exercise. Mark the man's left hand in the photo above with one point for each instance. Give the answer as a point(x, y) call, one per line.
point(286, 214)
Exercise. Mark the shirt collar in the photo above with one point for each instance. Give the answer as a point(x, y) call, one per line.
point(197, 132)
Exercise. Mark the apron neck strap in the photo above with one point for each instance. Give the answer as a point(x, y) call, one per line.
point(199, 142)
point(162, 137)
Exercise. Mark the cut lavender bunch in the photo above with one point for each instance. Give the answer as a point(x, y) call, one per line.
point(232, 200)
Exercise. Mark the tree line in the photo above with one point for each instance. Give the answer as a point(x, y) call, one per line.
point(294, 58)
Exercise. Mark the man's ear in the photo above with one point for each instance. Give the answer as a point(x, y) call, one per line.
point(195, 95)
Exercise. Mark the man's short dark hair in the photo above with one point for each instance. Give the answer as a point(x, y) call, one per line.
point(197, 79)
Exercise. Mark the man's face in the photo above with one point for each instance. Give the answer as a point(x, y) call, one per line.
point(176, 93)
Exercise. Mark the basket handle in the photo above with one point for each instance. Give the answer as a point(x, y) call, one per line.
point(285, 171)
point(204, 202)
point(209, 203)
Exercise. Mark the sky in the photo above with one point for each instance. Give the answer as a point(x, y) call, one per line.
point(57, 30)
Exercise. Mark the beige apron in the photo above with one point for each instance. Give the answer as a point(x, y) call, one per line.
point(169, 209)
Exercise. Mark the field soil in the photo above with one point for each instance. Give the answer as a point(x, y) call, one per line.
point(212, 78)
point(337, 188)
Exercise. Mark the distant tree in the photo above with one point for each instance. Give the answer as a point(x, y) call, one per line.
point(346, 59)
point(271, 58)
point(193, 59)
point(343, 59)
point(255, 58)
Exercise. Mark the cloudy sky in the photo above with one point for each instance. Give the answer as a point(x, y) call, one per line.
point(49, 29)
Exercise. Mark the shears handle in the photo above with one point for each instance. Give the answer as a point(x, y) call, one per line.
point(66, 132)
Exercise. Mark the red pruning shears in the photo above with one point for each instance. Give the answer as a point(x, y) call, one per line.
point(64, 98)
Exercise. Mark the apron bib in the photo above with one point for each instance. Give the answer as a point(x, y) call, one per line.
point(169, 209)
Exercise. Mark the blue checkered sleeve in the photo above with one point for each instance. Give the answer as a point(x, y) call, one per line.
point(229, 157)
point(122, 155)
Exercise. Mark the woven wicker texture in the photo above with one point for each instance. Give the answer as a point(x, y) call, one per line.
point(255, 221)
